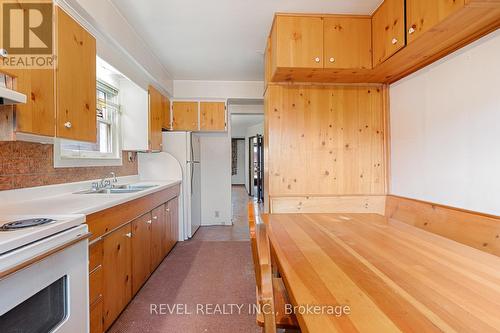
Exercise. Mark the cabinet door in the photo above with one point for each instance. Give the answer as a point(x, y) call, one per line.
point(38, 114)
point(421, 15)
point(167, 124)
point(388, 29)
point(298, 41)
point(155, 118)
point(75, 81)
point(348, 42)
point(212, 116)
point(167, 235)
point(173, 207)
point(117, 269)
point(96, 318)
point(141, 251)
point(157, 236)
point(185, 115)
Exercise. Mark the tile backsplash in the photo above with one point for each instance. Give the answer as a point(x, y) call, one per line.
point(26, 164)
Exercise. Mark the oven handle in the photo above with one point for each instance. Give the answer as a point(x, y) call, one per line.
point(40, 257)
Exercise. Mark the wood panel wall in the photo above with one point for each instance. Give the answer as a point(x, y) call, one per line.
point(324, 140)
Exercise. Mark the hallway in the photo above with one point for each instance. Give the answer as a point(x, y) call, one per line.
point(214, 268)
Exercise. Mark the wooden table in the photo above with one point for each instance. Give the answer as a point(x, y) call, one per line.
point(393, 276)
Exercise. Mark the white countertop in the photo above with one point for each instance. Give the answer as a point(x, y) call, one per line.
point(45, 202)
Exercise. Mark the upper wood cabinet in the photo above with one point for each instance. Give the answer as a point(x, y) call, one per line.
point(185, 116)
point(156, 114)
point(75, 80)
point(212, 116)
point(347, 42)
point(388, 29)
point(421, 15)
point(297, 41)
point(117, 269)
point(167, 123)
point(60, 102)
point(38, 114)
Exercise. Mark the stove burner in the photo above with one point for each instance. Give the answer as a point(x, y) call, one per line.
point(25, 224)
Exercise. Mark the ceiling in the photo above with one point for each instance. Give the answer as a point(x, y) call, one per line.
point(240, 122)
point(218, 39)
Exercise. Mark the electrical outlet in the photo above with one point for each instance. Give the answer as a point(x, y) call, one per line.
point(217, 213)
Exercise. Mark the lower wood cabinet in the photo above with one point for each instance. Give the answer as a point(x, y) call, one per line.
point(96, 317)
point(141, 251)
point(157, 236)
point(117, 269)
point(172, 211)
point(122, 258)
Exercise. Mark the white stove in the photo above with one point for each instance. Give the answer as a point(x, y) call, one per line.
point(20, 230)
point(44, 273)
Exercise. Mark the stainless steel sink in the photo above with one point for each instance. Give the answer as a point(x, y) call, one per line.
point(117, 189)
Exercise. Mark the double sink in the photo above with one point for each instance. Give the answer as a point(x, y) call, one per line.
point(117, 189)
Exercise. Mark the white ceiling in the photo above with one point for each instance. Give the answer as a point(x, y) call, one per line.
point(240, 122)
point(218, 39)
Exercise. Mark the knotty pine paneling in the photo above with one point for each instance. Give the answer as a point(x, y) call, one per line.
point(324, 140)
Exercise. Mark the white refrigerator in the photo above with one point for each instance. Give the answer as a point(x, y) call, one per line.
point(185, 147)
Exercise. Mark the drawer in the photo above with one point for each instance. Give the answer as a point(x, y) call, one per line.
point(95, 255)
point(96, 317)
point(95, 285)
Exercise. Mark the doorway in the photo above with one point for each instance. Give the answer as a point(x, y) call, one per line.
point(256, 167)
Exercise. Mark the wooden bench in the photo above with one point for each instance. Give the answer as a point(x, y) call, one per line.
point(271, 292)
point(477, 230)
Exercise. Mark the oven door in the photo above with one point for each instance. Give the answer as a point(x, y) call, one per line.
point(49, 295)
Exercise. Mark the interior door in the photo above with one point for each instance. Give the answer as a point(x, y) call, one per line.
point(260, 168)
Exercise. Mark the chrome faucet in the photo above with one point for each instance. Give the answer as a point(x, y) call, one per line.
point(105, 182)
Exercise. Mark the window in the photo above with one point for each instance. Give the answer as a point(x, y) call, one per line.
point(107, 146)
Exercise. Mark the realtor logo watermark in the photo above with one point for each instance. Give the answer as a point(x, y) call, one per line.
point(26, 34)
point(211, 309)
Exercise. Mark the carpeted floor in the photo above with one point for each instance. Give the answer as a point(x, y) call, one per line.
point(213, 269)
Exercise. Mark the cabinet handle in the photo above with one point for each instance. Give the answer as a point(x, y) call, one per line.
point(394, 41)
point(411, 30)
point(129, 235)
point(155, 217)
point(317, 59)
point(148, 222)
point(4, 53)
point(332, 59)
point(168, 209)
point(68, 124)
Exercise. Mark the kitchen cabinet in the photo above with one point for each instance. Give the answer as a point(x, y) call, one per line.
point(155, 118)
point(347, 42)
point(422, 15)
point(297, 41)
point(185, 116)
point(141, 251)
point(96, 318)
point(61, 102)
point(158, 238)
point(38, 114)
point(212, 116)
point(166, 119)
point(75, 80)
point(388, 29)
point(172, 208)
point(117, 269)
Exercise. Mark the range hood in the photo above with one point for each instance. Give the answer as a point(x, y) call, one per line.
point(9, 96)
